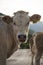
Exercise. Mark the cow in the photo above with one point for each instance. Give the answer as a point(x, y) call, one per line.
point(36, 46)
point(14, 31)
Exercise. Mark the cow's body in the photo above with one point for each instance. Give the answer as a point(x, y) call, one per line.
point(36, 45)
point(13, 30)
point(8, 42)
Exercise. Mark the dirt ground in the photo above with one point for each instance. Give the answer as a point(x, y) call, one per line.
point(21, 57)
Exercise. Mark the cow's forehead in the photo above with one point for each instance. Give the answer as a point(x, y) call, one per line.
point(21, 18)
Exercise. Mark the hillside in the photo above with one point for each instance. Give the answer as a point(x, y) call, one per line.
point(1, 14)
point(37, 27)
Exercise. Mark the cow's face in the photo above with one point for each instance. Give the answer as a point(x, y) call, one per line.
point(20, 23)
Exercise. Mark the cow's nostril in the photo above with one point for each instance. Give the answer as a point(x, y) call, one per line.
point(21, 36)
point(24, 36)
point(18, 36)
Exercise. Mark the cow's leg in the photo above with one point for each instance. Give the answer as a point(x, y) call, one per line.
point(32, 58)
point(3, 54)
point(2, 59)
point(37, 58)
point(3, 62)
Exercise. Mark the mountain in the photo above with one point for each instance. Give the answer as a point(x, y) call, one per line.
point(31, 31)
point(1, 14)
point(37, 27)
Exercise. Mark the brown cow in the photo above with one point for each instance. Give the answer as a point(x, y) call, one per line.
point(36, 45)
point(14, 30)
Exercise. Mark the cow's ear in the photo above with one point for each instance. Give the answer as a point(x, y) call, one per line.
point(35, 18)
point(7, 19)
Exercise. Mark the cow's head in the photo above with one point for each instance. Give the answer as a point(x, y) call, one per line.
point(20, 23)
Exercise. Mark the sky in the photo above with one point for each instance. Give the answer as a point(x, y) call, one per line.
point(32, 6)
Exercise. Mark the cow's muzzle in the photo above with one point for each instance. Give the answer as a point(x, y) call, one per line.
point(22, 38)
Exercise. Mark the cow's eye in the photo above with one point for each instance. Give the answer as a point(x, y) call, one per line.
point(14, 23)
point(27, 23)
